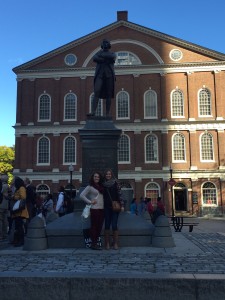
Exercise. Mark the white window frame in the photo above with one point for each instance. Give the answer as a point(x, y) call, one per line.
point(75, 107)
point(155, 187)
point(117, 105)
point(127, 58)
point(64, 150)
point(208, 204)
point(173, 148)
point(153, 99)
point(157, 149)
point(212, 150)
point(128, 139)
point(49, 151)
point(210, 103)
point(178, 105)
point(39, 100)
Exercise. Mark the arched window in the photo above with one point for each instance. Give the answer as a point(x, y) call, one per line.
point(43, 151)
point(206, 146)
point(123, 105)
point(152, 191)
point(42, 190)
point(99, 110)
point(151, 148)
point(44, 108)
point(126, 58)
point(150, 105)
point(204, 103)
point(177, 104)
point(70, 150)
point(124, 149)
point(179, 153)
point(209, 194)
point(70, 107)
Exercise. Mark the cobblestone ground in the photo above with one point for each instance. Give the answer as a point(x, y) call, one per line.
point(210, 260)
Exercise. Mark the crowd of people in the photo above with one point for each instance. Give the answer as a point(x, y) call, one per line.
point(14, 219)
point(101, 193)
point(145, 204)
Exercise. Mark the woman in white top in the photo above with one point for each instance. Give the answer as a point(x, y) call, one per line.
point(93, 194)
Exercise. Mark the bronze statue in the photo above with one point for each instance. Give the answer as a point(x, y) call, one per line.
point(104, 77)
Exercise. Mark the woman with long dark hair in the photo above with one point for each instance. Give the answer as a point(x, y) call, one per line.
point(112, 192)
point(93, 194)
point(21, 215)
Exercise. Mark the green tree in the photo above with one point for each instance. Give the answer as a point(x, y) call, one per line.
point(7, 157)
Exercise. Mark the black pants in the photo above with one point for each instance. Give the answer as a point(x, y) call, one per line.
point(19, 230)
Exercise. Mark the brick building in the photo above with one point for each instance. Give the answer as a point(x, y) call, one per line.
point(169, 104)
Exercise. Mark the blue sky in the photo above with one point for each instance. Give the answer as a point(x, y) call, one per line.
point(32, 28)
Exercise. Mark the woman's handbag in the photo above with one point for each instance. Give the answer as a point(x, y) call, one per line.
point(86, 211)
point(116, 206)
point(19, 205)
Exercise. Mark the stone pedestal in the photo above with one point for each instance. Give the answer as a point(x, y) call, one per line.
point(99, 139)
point(36, 235)
point(162, 235)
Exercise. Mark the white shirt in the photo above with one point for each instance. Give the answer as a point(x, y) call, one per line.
point(59, 201)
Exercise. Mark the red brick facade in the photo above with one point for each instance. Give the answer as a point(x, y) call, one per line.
point(199, 68)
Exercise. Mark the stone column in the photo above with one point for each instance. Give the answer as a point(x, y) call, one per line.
point(99, 139)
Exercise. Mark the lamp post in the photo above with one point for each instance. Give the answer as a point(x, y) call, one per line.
point(71, 169)
point(172, 182)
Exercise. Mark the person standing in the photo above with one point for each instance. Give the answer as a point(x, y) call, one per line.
point(31, 198)
point(21, 215)
point(4, 207)
point(93, 194)
point(60, 208)
point(47, 207)
point(112, 192)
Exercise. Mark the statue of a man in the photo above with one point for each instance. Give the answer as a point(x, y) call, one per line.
point(104, 77)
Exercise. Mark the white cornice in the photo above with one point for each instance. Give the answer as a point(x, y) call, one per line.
point(125, 127)
point(128, 70)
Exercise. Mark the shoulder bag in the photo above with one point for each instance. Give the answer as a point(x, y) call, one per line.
point(116, 206)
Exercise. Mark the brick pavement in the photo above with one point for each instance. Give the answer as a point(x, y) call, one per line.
point(195, 253)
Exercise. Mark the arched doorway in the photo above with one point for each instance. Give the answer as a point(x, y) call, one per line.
point(180, 197)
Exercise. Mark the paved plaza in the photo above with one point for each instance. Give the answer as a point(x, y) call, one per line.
point(199, 252)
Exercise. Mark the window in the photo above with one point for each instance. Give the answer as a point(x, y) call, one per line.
point(122, 105)
point(43, 151)
point(209, 194)
point(151, 148)
point(150, 105)
point(207, 147)
point(70, 107)
point(42, 190)
point(176, 54)
point(99, 110)
point(177, 103)
point(124, 149)
point(44, 108)
point(126, 58)
point(179, 147)
point(70, 59)
point(204, 102)
point(152, 191)
point(70, 150)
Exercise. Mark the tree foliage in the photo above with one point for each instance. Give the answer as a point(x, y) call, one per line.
point(7, 157)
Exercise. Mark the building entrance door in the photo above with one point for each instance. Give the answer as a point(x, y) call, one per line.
point(180, 199)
